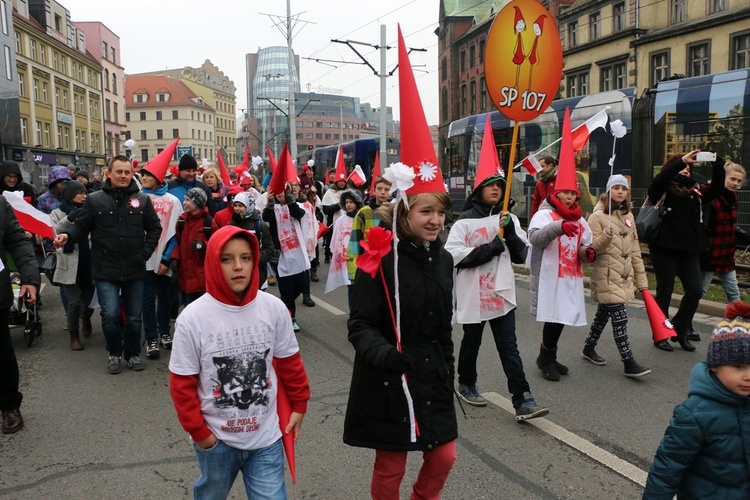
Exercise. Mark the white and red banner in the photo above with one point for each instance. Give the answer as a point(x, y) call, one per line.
point(532, 164)
point(31, 219)
point(582, 132)
point(357, 177)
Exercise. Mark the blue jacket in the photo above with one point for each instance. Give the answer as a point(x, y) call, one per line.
point(705, 452)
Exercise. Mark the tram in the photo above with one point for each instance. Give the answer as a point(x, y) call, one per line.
point(357, 152)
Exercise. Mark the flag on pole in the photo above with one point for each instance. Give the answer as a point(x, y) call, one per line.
point(31, 219)
point(357, 177)
point(582, 132)
point(375, 173)
point(246, 159)
point(532, 164)
point(223, 171)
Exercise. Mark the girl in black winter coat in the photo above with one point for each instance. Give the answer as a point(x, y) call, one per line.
point(681, 238)
point(378, 414)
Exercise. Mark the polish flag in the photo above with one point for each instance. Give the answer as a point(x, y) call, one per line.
point(357, 177)
point(532, 164)
point(582, 132)
point(31, 219)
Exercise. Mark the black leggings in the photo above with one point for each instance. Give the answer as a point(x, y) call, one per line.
point(669, 264)
point(551, 334)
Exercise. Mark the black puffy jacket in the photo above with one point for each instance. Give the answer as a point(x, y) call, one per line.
point(13, 240)
point(124, 231)
point(377, 414)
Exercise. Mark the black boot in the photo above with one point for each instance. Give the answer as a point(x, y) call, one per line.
point(590, 353)
point(547, 363)
point(86, 321)
point(633, 369)
point(307, 300)
point(684, 343)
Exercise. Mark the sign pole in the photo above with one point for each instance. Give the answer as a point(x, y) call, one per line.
point(509, 170)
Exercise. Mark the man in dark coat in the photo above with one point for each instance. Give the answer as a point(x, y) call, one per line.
point(187, 180)
point(124, 231)
point(11, 179)
point(13, 240)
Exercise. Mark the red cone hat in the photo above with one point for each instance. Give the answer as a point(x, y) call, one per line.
point(417, 150)
point(223, 170)
point(160, 164)
point(340, 174)
point(489, 163)
point(271, 159)
point(284, 172)
point(661, 328)
point(375, 173)
point(566, 169)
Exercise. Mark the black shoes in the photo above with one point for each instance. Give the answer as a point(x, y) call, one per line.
point(547, 362)
point(308, 301)
point(664, 345)
point(693, 336)
point(12, 421)
point(634, 370)
point(590, 353)
point(684, 343)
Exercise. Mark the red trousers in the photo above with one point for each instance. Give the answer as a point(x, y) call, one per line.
point(390, 467)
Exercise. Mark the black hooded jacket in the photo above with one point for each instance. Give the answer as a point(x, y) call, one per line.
point(11, 167)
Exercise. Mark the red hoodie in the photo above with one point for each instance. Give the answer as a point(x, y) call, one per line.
point(184, 388)
point(224, 216)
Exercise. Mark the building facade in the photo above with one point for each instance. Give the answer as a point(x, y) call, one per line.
point(219, 92)
point(158, 109)
point(10, 126)
point(59, 91)
point(104, 46)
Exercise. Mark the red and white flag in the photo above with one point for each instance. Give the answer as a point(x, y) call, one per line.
point(582, 132)
point(532, 164)
point(357, 177)
point(31, 219)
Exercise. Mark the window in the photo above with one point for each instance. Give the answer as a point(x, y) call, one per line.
point(175, 133)
point(57, 97)
point(308, 136)
point(573, 34)
point(308, 124)
point(740, 48)
point(39, 133)
point(4, 17)
point(715, 6)
point(89, 77)
point(80, 72)
point(159, 134)
point(36, 89)
point(8, 66)
point(677, 11)
point(107, 110)
point(33, 49)
point(659, 67)
point(319, 136)
point(59, 136)
point(54, 60)
point(127, 116)
point(317, 125)
point(618, 17)
point(140, 98)
point(65, 99)
point(482, 94)
point(18, 44)
point(75, 103)
point(481, 51)
point(175, 114)
point(327, 136)
point(24, 131)
point(112, 54)
point(46, 135)
point(45, 90)
point(143, 135)
point(43, 54)
point(463, 61)
point(161, 97)
point(115, 114)
point(444, 68)
point(612, 77)
point(578, 84)
point(58, 23)
point(463, 100)
point(472, 56)
point(595, 28)
point(114, 83)
point(106, 79)
point(158, 115)
point(142, 116)
point(473, 97)
point(21, 85)
point(104, 50)
point(144, 155)
point(66, 138)
point(63, 63)
point(699, 59)
point(192, 115)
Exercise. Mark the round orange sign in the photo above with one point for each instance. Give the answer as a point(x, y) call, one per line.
point(523, 60)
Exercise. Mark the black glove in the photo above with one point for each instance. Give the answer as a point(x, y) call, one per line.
point(197, 246)
point(74, 214)
point(288, 198)
point(719, 161)
point(397, 363)
point(510, 228)
point(498, 246)
point(174, 265)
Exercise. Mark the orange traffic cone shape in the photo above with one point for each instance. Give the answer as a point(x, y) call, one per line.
point(661, 327)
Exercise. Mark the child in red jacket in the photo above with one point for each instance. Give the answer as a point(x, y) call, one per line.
point(222, 380)
point(194, 228)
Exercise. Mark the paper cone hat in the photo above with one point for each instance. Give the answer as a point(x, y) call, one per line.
point(566, 168)
point(223, 170)
point(417, 150)
point(375, 171)
point(284, 410)
point(284, 172)
point(271, 159)
point(489, 163)
point(661, 328)
point(340, 174)
point(160, 164)
point(246, 159)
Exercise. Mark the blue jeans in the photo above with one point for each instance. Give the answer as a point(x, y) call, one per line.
point(262, 472)
point(109, 300)
point(156, 305)
point(728, 282)
point(504, 332)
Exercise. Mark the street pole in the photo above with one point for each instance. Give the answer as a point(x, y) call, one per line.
point(383, 114)
point(292, 112)
point(341, 120)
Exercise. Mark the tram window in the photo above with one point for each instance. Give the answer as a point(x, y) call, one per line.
point(532, 137)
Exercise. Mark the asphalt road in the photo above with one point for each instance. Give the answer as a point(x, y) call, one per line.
point(92, 435)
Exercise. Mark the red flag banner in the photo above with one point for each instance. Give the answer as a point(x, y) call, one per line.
point(31, 219)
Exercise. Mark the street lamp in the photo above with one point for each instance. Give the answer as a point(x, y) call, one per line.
point(341, 117)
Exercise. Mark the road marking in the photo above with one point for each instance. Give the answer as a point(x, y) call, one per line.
point(625, 469)
point(328, 307)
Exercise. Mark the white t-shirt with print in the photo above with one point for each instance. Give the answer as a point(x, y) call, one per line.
point(232, 348)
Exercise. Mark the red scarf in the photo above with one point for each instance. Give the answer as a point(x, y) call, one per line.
point(571, 213)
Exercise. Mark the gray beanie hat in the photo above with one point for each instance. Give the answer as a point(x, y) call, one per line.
point(197, 197)
point(617, 180)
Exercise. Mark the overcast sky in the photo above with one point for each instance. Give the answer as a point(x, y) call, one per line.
point(161, 34)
